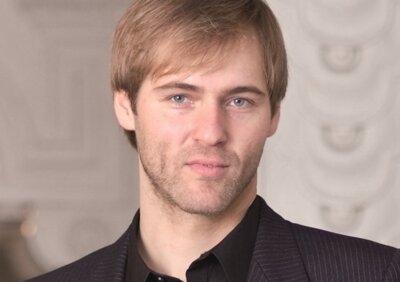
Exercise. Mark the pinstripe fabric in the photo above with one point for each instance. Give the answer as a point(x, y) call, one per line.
point(283, 252)
point(393, 272)
point(104, 265)
point(290, 252)
point(333, 257)
point(276, 256)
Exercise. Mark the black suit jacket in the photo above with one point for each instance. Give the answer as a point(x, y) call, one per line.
point(283, 252)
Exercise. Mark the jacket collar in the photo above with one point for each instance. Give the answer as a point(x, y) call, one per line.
point(276, 256)
point(111, 267)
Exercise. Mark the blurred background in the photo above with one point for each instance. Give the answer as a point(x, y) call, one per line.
point(68, 178)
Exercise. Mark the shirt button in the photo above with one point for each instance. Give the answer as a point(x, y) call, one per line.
point(160, 279)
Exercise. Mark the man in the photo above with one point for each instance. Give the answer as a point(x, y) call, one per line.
point(197, 86)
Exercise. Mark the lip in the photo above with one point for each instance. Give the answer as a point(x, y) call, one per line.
point(208, 168)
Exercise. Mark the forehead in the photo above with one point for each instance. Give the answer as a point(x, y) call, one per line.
point(171, 57)
point(239, 65)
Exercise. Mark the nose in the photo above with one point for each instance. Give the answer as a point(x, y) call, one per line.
point(210, 125)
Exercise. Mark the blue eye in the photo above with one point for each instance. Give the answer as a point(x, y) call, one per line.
point(179, 99)
point(239, 102)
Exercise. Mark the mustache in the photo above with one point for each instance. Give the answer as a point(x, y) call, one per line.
point(209, 152)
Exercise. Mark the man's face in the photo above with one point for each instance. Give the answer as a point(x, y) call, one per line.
point(201, 134)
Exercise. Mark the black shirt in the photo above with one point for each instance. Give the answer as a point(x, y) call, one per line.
point(229, 260)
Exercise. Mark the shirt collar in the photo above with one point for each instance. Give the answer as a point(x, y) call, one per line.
point(136, 269)
point(234, 252)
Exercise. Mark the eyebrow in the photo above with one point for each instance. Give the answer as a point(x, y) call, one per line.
point(179, 85)
point(244, 89)
point(193, 88)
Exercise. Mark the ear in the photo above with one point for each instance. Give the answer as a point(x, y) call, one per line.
point(123, 110)
point(275, 120)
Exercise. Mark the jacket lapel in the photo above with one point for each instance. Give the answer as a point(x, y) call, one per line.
point(276, 256)
point(111, 266)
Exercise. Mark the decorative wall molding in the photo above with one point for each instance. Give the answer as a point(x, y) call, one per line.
point(344, 74)
point(340, 58)
point(339, 22)
point(64, 155)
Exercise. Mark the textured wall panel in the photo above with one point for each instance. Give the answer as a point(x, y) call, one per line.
point(342, 114)
point(65, 163)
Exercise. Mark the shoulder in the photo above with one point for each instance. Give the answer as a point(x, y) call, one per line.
point(319, 255)
point(106, 264)
point(79, 270)
point(341, 256)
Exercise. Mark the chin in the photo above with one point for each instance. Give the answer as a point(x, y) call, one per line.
point(206, 206)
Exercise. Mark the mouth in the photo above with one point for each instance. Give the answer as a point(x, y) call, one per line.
point(208, 168)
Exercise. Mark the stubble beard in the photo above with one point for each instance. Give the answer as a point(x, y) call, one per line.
point(215, 195)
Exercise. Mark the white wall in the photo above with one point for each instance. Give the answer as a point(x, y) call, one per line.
point(64, 162)
point(335, 162)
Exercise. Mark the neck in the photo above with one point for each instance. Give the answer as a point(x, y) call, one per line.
point(171, 239)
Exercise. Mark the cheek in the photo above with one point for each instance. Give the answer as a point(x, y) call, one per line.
point(174, 125)
point(251, 147)
point(254, 143)
point(162, 130)
point(253, 132)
